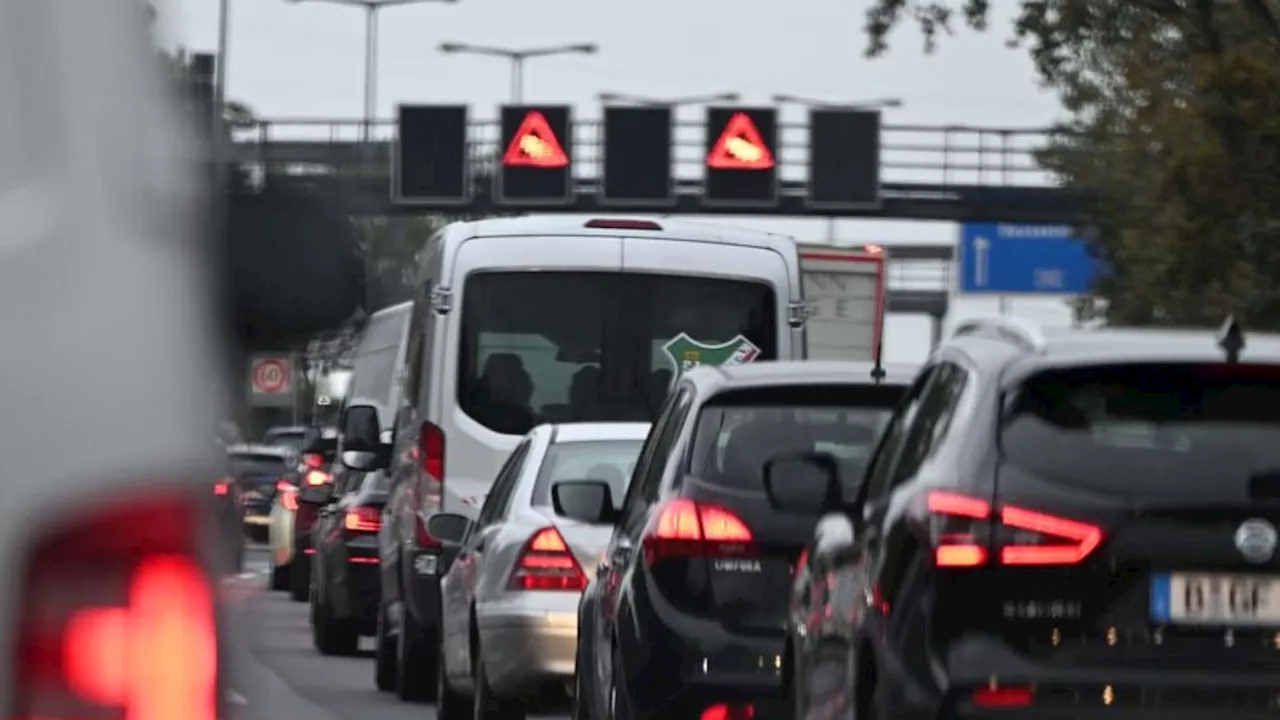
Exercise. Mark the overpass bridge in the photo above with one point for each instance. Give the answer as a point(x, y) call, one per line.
point(944, 173)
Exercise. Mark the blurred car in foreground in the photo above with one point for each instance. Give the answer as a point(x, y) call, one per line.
point(686, 616)
point(510, 608)
point(1077, 526)
point(257, 471)
point(344, 579)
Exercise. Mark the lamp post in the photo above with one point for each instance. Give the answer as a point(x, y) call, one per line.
point(517, 57)
point(616, 97)
point(371, 8)
point(873, 104)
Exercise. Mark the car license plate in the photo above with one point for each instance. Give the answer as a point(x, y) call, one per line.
point(425, 564)
point(1239, 600)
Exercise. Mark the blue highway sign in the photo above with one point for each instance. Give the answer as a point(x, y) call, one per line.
point(1017, 259)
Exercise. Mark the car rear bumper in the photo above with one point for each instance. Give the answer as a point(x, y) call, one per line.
point(529, 641)
point(361, 585)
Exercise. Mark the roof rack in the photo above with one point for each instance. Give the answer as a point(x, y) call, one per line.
point(1007, 329)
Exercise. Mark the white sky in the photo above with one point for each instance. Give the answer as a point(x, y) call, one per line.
point(305, 59)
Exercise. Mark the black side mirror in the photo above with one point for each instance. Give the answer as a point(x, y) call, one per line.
point(589, 501)
point(448, 528)
point(804, 483)
point(361, 430)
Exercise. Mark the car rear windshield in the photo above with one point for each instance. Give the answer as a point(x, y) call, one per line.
point(587, 346)
point(291, 439)
point(1149, 427)
point(607, 460)
point(244, 464)
point(738, 432)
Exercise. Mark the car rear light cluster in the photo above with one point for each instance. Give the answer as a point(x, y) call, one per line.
point(117, 617)
point(313, 461)
point(683, 528)
point(431, 451)
point(288, 493)
point(316, 478)
point(363, 520)
point(222, 487)
point(729, 711)
point(968, 528)
point(547, 564)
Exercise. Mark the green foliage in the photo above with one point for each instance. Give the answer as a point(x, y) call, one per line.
point(1175, 128)
point(393, 249)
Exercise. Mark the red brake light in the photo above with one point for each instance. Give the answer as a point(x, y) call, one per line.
point(222, 487)
point(1041, 539)
point(313, 461)
point(315, 478)
point(363, 519)
point(547, 564)
point(288, 495)
point(726, 711)
point(622, 224)
point(120, 614)
point(431, 450)
point(684, 528)
point(1005, 697)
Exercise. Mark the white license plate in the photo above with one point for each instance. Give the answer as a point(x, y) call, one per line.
point(1216, 599)
point(425, 564)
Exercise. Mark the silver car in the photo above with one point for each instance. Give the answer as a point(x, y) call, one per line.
point(510, 599)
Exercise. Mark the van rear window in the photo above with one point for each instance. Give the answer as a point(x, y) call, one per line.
point(593, 346)
point(1154, 427)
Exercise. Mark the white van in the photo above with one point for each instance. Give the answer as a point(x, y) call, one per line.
point(555, 319)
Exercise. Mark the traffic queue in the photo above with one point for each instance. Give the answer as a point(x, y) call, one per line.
point(648, 502)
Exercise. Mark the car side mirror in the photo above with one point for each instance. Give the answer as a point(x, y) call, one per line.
point(361, 430)
point(589, 501)
point(449, 528)
point(806, 483)
point(834, 539)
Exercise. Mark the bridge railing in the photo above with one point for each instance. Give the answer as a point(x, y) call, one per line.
point(910, 154)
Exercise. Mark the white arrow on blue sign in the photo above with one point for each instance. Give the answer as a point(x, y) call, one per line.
point(1019, 259)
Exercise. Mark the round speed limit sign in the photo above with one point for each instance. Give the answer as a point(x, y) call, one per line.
point(271, 376)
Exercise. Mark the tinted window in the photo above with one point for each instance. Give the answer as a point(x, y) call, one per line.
point(1150, 427)
point(739, 432)
point(611, 461)
point(575, 346)
point(375, 368)
point(291, 439)
point(258, 464)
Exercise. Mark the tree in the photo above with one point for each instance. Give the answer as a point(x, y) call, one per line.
point(1174, 128)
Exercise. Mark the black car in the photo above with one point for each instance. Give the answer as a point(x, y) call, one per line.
point(686, 616)
point(317, 469)
point(345, 575)
point(257, 471)
point(1079, 526)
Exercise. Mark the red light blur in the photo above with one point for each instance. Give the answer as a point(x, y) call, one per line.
point(728, 711)
point(1010, 697)
point(363, 519)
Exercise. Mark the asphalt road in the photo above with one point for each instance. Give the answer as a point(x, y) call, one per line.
point(274, 672)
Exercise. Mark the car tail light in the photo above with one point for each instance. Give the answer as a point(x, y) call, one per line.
point(363, 519)
point(431, 450)
point(117, 618)
point(684, 528)
point(313, 461)
point(968, 526)
point(288, 495)
point(1003, 697)
point(622, 224)
point(222, 487)
point(729, 711)
point(316, 478)
point(547, 564)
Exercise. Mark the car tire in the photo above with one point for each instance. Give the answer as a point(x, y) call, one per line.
point(384, 654)
point(331, 635)
point(300, 579)
point(417, 650)
point(450, 704)
point(280, 577)
point(485, 704)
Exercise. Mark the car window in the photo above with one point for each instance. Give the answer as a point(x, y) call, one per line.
point(932, 421)
point(497, 500)
point(292, 439)
point(885, 457)
point(647, 476)
point(609, 460)
point(738, 432)
point(258, 464)
point(1157, 429)
point(581, 346)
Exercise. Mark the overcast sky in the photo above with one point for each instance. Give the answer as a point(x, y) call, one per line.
point(305, 59)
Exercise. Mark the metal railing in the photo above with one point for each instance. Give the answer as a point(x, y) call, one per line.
point(910, 154)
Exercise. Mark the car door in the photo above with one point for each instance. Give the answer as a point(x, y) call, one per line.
point(460, 579)
point(642, 493)
point(330, 556)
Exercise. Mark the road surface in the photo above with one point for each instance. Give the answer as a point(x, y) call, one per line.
point(276, 674)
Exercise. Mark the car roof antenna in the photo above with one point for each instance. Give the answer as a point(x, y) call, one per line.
point(877, 370)
point(1231, 339)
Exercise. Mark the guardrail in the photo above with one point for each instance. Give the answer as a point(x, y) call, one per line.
point(953, 155)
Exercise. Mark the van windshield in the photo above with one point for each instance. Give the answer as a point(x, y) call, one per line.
point(599, 346)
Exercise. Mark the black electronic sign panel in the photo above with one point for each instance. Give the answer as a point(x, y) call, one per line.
point(536, 166)
point(637, 165)
point(742, 157)
point(844, 159)
point(430, 155)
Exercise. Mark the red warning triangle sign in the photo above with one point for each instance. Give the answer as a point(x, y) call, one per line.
point(535, 145)
point(740, 147)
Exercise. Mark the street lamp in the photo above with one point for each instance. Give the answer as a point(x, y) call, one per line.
point(873, 104)
point(371, 8)
point(615, 97)
point(517, 57)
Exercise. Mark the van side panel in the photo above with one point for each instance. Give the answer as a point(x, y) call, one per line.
point(474, 453)
point(711, 259)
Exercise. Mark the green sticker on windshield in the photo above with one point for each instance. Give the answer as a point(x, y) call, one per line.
point(687, 353)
